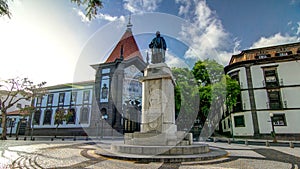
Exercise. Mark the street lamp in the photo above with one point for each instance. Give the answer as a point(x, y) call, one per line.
point(273, 134)
point(104, 117)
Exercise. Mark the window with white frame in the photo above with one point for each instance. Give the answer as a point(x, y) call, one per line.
point(239, 121)
point(279, 120)
point(84, 115)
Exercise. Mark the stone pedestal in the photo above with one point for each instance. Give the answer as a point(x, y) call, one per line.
point(158, 109)
point(159, 138)
point(158, 100)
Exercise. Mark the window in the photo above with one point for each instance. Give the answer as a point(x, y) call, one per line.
point(263, 56)
point(50, 99)
point(223, 122)
point(104, 91)
point(73, 96)
point(86, 95)
point(48, 116)
point(271, 77)
point(61, 98)
point(104, 86)
point(285, 53)
point(105, 71)
point(274, 99)
point(239, 121)
point(36, 117)
point(84, 115)
point(279, 120)
point(38, 100)
point(19, 105)
point(72, 117)
point(228, 123)
point(238, 107)
point(59, 116)
point(12, 122)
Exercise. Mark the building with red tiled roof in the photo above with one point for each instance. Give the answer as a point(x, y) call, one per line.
point(117, 84)
point(102, 101)
point(126, 48)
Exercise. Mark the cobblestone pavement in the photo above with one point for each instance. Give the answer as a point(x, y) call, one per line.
point(80, 154)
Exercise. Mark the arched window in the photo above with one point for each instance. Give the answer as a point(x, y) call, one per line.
point(72, 116)
point(59, 116)
point(47, 117)
point(103, 111)
point(84, 115)
point(36, 117)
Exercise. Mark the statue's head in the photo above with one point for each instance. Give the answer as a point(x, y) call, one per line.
point(157, 33)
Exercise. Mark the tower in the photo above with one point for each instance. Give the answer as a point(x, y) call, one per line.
point(115, 77)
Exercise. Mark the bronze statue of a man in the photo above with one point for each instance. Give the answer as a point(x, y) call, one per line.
point(158, 47)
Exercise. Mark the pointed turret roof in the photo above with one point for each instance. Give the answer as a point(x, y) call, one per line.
point(126, 48)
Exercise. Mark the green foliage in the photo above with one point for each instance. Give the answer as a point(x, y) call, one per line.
point(201, 74)
point(186, 97)
point(61, 115)
point(214, 86)
point(207, 72)
point(233, 90)
point(4, 10)
point(205, 101)
point(91, 7)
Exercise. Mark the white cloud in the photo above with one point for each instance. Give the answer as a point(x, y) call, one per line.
point(82, 15)
point(276, 39)
point(107, 17)
point(206, 34)
point(174, 61)
point(141, 6)
point(298, 29)
point(184, 9)
point(101, 16)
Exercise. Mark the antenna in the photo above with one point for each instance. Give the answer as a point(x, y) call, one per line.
point(129, 25)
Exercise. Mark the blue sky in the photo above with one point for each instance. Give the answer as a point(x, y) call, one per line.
point(51, 40)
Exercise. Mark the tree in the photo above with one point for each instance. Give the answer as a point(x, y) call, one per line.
point(186, 98)
point(60, 117)
point(4, 10)
point(92, 7)
point(14, 91)
point(215, 90)
point(207, 73)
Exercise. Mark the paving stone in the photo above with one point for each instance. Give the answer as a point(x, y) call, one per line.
point(26, 154)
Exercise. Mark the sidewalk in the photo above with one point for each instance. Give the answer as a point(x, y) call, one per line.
point(258, 142)
point(62, 138)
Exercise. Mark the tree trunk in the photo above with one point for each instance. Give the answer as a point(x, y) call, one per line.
point(3, 125)
point(56, 130)
point(18, 128)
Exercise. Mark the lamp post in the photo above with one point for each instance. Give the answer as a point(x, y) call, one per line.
point(104, 117)
point(273, 134)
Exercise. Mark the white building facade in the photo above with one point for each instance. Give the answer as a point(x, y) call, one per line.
point(270, 92)
point(75, 98)
point(99, 107)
